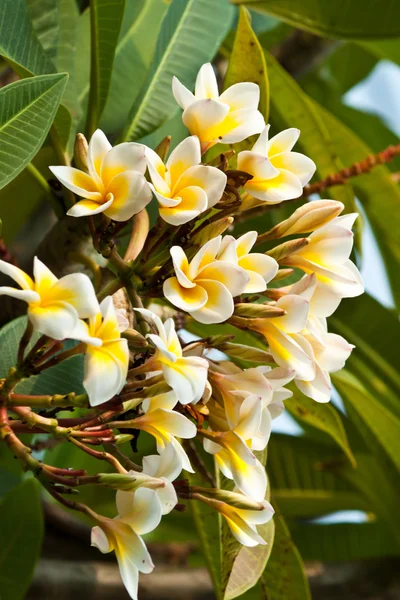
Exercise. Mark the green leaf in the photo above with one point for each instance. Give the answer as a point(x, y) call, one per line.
point(247, 62)
point(324, 417)
point(190, 35)
point(347, 19)
point(383, 424)
point(45, 19)
point(284, 577)
point(386, 49)
point(344, 541)
point(291, 107)
point(21, 534)
point(105, 20)
point(133, 55)
point(18, 42)
point(27, 110)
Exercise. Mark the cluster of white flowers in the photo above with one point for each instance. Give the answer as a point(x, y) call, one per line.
point(179, 381)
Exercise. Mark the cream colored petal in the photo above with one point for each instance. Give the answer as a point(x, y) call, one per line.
point(240, 124)
point(78, 182)
point(86, 208)
point(181, 267)
point(98, 148)
point(182, 95)
point(288, 353)
point(56, 320)
point(187, 299)
point(103, 376)
point(28, 296)
point(298, 164)
point(186, 154)
point(203, 118)
point(233, 277)
point(297, 309)
point(283, 141)
point(158, 173)
point(131, 194)
point(210, 179)
point(204, 256)
point(193, 203)
point(75, 289)
point(284, 186)
point(128, 156)
point(319, 388)
point(19, 276)
point(219, 305)
point(241, 95)
point(261, 269)
point(245, 243)
point(206, 83)
point(145, 514)
point(165, 201)
point(261, 144)
point(257, 165)
point(167, 401)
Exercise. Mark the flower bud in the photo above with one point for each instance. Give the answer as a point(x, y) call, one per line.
point(258, 311)
point(122, 438)
point(131, 481)
point(163, 147)
point(243, 352)
point(235, 499)
point(80, 152)
point(212, 230)
point(287, 248)
point(134, 338)
point(306, 218)
point(282, 274)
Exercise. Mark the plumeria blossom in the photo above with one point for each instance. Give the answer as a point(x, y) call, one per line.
point(115, 182)
point(205, 287)
point(186, 375)
point(231, 449)
point(278, 378)
point(183, 186)
point(165, 425)
point(106, 357)
point(243, 522)
point(278, 173)
point(227, 118)
point(288, 347)
point(138, 514)
point(54, 305)
point(259, 267)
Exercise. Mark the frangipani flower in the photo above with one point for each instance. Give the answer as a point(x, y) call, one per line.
point(227, 118)
point(54, 305)
point(107, 354)
point(327, 255)
point(187, 375)
point(231, 450)
point(278, 173)
point(165, 424)
point(289, 349)
point(115, 183)
point(259, 267)
point(183, 187)
point(205, 288)
point(138, 513)
point(243, 522)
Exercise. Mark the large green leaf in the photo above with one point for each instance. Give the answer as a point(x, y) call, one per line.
point(45, 18)
point(291, 107)
point(284, 577)
point(190, 35)
point(105, 20)
point(133, 55)
point(344, 541)
point(382, 423)
point(387, 49)
point(21, 534)
point(27, 110)
point(18, 42)
point(343, 18)
point(324, 417)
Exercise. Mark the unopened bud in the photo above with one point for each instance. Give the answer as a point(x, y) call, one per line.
point(234, 499)
point(140, 230)
point(134, 338)
point(131, 481)
point(247, 353)
point(217, 340)
point(80, 152)
point(258, 311)
point(287, 248)
point(194, 349)
point(306, 218)
point(163, 147)
point(282, 274)
point(221, 161)
point(211, 231)
point(122, 438)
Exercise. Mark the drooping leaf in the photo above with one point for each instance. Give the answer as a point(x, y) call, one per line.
point(105, 20)
point(322, 416)
point(19, 43)
point(133, 56)
point(346, 19)
point(21, 534)
point(45, 18)
point(190, 35)
point(284, 577)
point(27, 110)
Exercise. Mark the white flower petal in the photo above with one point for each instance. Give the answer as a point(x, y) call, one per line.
point(57, 320)
point(78, 182)
point(181, 266)
point(260, 268)
point(86, 208)
point(250, 417)
point(187, 299)
point(28, 296)
point(100, 540)
point(319, 388)
point(257, 165)
point(233, 277)
point(241, 124)
point(97, 150)
point(206, 83)
point(17, 274)
point(204, 256)
point(75, 289)
point(182, 95)
point(186, 154)
point(145, 514)
point(210, 179)
point(241, 95)
point(131, 194)
point(219, 306)
point(297, 309)
point(284, 186)
point(128, 156)
point(104, 377)
point(203, 117)
point(283, 141)
point(261, 144)
point(298, 164)
point(193, 201)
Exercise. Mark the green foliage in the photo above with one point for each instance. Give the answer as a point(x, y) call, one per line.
point(27, 110)
point(45, 18)
point(179, 52)
point(21, 534)
point(343, 19)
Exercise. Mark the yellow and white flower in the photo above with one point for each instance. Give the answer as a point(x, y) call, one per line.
point(165, 425)
point(183, 186)
point(186, 375)
point(327, 255)
point(115, 183)
point(227, 118)
point(205, 288)
point(54, 305)
point(107, 355)
point(288, 347)
point(259, 267)
point(278, 173)
point(138, 513)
